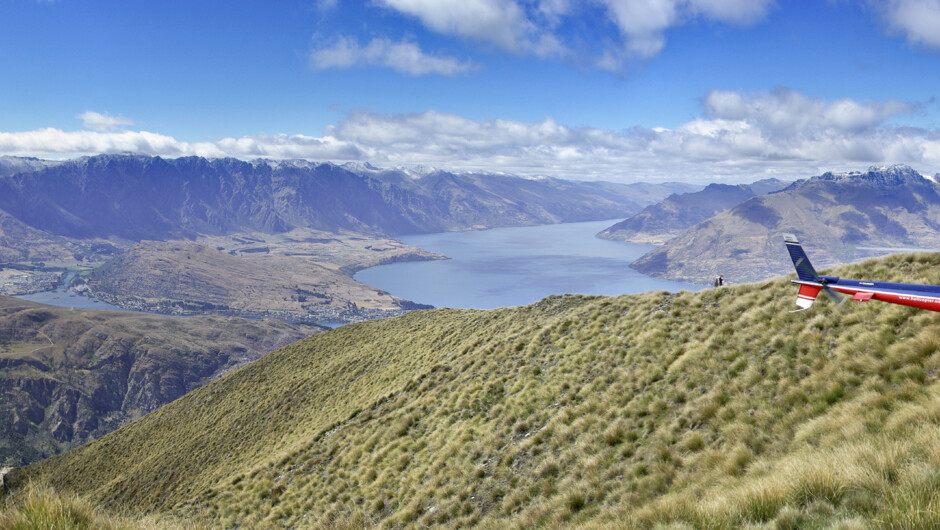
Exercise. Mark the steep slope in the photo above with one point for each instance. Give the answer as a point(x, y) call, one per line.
point(663, 221)
point(624, 411)
point(836, 215)
point(68, 376)
point(185, 277)
point(20, 243)
point(138, 197)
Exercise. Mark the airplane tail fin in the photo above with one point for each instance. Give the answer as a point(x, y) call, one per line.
point(804, 269)
point(805, 272)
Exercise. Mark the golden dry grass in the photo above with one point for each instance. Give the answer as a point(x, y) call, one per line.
point(712, 410)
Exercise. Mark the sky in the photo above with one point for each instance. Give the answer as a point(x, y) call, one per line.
point(619, 90)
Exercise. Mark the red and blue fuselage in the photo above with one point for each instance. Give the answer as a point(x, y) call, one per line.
point(811, 283)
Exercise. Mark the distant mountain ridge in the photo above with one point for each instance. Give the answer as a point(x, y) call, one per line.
point(836, 215)
point(10, 165)
point(137, 197)
point(662, 221)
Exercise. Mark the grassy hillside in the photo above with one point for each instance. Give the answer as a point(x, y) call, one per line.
point(715, 409)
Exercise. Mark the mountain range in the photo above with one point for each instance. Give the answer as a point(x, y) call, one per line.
point(133, 197)
point(716, 409)
point(840, 217)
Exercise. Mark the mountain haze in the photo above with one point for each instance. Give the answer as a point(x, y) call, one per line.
point(662, 221)
point(836, 216)
point(137, 197)
point(575, 411)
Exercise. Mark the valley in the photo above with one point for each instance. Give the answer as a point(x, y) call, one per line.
point(260, 239)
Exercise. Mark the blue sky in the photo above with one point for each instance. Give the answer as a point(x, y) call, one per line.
point(624, 90)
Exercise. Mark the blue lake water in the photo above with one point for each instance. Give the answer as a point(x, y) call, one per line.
point(63, 298)
point(516, 266)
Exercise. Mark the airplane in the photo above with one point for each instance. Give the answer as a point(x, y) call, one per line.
point(811, 283)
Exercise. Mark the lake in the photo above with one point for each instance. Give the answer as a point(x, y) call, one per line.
point(517, 266)
point(64, 298)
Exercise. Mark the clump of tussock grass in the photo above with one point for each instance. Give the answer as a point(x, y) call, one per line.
point(38, 507)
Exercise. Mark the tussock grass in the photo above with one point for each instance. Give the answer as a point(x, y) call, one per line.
point(711, 410)
point(40, 507)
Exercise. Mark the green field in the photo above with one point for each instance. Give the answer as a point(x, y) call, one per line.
point(718, 409)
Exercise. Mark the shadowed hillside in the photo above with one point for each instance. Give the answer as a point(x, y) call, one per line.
point(68, 376)
point(715, 409)
point(136, 197)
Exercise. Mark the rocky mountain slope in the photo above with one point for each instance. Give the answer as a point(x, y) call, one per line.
point(664, 220)
point(837, 216)
point(23, 244)
point(68, 376)
point(138, 197)
point(717, 409)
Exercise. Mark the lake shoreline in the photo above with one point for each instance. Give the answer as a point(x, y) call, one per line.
point(502, 267)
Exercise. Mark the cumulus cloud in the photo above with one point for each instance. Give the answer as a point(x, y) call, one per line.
point(500, 22)
point(918, 20)
point(643, 23)
point(531, 27)
point(404, 56)
point(785, 112)
point(738, 137)
point(103, 122)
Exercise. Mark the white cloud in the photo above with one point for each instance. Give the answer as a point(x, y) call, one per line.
point(919, 20)
point(530, 27)
point(789, 113)
point(635, 29)
point(404, 56)
point(739, 138)
point(103, 122)
point(643, 23)
point(500, 22)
